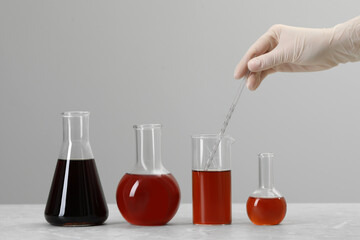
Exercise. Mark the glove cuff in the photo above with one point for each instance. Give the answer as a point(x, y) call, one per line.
point(346, 41)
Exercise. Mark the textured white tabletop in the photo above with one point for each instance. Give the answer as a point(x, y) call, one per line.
point(302, 221)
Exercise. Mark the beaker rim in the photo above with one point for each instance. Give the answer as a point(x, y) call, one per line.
point(266, 154)
point(208, 135)
point(147, 126)
point(75, 113)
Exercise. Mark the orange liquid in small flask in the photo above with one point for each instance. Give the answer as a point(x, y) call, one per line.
point(149, 194)
point(266, 206)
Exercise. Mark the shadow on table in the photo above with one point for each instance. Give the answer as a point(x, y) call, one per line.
point(179, 222)
point(46, 224)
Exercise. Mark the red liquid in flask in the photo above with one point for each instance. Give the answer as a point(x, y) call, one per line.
point(148, 199)
point(211, 197)
point(266, 211)
point(76, 196)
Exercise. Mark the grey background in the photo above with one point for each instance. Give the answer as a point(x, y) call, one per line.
point(172, 62)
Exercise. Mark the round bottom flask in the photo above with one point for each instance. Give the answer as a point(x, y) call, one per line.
point(266, 206)
point(149, 195)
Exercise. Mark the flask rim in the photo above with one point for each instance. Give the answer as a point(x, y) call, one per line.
point(75, 113)
point(147, 126)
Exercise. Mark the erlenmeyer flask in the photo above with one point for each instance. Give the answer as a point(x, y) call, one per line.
point(266, 206)
point(76, 197)
point(149, 194)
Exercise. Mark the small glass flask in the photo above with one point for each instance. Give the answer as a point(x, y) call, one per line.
point(76, 197)
point(266, 206)
point(149, 194)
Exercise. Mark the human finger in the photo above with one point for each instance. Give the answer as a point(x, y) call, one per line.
point(269, 60)
point(255, 79)
point(264, 44)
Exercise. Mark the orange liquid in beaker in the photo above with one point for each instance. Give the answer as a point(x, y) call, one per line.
point(148, 199)
point(211, 197)
point(266, 211)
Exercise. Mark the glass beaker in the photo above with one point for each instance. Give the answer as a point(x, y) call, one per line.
point(149, 194)
point(211, 186)
point(266, 206)
point(76, 197)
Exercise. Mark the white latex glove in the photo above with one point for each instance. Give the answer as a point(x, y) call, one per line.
point(293, 49)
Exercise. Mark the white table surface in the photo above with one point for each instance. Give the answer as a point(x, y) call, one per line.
point(302, 221)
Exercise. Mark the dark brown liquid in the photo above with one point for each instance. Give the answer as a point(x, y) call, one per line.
point(76, 196)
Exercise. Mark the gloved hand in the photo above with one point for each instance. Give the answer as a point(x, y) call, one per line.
point(293, 49)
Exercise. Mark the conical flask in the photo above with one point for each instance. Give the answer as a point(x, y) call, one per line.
point(76, 197)
point(149, 194)
point(266, 205)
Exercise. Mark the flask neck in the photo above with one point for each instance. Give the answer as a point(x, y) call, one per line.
point(76, 145)
point(148, 149)
point(76, 128)
point(266, 175)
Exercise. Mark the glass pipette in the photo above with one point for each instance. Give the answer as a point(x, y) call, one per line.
point(226, 122)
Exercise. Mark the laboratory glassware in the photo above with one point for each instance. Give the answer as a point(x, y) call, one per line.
point(76, 197)
point(149, 194)
point(266, 205)
point(227, 119)
point(211, 184)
